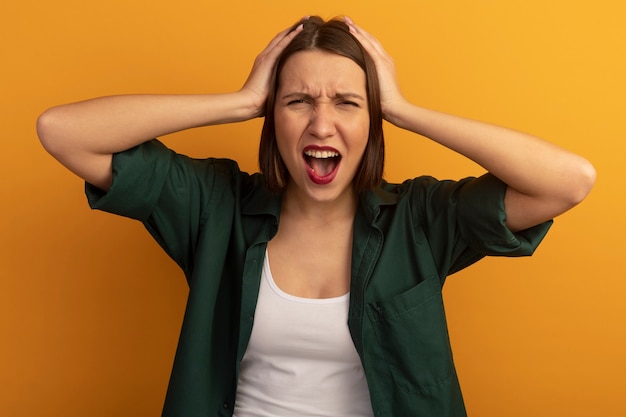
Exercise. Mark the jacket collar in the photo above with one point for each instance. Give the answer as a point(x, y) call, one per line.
point(259, 201)
point(373, 200)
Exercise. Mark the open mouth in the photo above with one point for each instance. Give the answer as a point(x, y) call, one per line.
point(322, 164)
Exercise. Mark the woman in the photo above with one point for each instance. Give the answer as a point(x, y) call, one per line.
point(278, 263)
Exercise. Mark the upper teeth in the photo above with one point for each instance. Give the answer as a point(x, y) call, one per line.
point(321, 154)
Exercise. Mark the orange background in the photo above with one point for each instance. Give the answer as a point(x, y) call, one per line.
point(90, 308)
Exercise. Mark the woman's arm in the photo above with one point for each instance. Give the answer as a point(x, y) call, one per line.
point(83, 136)
point(543, 180)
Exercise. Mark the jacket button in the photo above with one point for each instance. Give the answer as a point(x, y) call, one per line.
point(226, 405)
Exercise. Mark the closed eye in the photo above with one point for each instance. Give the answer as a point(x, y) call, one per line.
point(297, 101)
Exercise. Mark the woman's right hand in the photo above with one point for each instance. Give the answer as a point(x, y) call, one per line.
point(83, 136)
point(258, 83)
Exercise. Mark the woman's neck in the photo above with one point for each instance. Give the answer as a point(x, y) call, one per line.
point(298, 205)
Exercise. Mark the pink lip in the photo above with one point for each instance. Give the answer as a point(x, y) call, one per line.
point(318, 179)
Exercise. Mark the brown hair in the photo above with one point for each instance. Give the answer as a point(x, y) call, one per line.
point(335, 37)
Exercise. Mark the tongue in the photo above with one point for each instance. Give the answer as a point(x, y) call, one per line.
point(323, 167)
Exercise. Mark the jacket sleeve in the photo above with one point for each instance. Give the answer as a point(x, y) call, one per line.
point(466, 221)
point(169, 193)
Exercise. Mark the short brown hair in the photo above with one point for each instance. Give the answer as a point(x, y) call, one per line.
point(331, 36)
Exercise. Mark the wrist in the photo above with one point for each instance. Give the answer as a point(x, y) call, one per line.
point(252, 103)
point(399, 113)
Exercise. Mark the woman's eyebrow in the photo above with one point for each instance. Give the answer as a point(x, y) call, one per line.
point(340, 96)
point(349, 96)
point(296, 94)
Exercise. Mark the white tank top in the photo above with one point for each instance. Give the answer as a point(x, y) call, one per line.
point(300, 360)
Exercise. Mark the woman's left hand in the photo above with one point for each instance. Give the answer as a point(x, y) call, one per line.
point(390, 95)
point(543, 180)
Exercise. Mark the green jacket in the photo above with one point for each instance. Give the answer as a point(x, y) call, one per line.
point(215, 222)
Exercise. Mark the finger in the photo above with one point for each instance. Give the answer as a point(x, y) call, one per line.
point(367, 40)
point(261, 69)
point(288, 33)
point(282, 43)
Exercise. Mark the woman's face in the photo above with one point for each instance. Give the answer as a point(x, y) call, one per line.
point(322, 123)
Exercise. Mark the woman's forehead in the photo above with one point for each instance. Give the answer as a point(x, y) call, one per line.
point(317, 71)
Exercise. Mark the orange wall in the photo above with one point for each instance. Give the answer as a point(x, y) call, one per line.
point(90, 308)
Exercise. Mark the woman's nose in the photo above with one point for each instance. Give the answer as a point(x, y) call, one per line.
point(322, 123)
